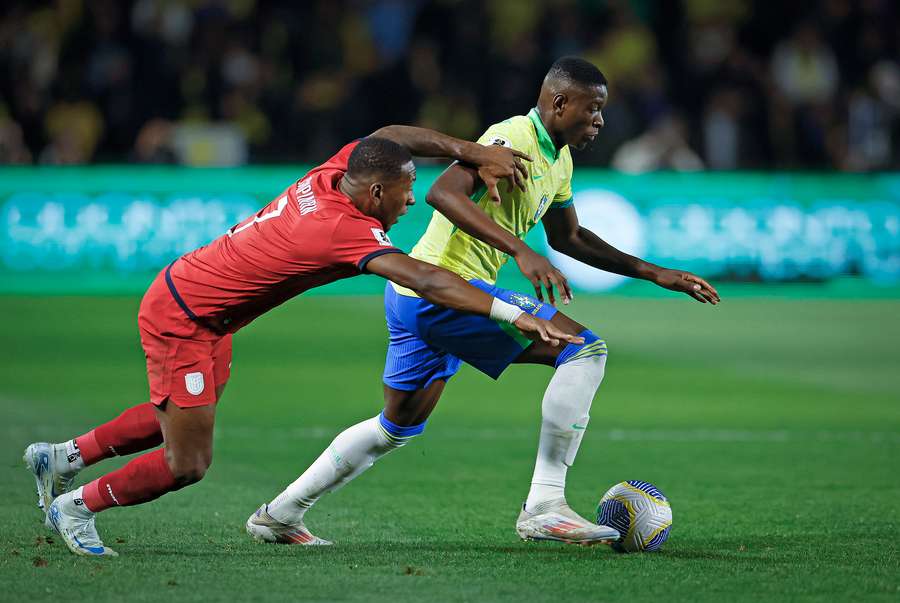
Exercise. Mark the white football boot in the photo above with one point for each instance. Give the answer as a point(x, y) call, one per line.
point(555, 520)
point(75, 524)
point(49, 465)
point(265, 528)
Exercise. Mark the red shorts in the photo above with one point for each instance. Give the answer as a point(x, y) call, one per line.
point(186, 363)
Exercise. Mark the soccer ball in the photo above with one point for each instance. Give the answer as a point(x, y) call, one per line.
point(640, 512)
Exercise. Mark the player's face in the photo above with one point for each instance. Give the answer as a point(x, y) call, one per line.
point(397, 196)
point(583, 115)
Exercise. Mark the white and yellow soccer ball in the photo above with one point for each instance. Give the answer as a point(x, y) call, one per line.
point(641, 513)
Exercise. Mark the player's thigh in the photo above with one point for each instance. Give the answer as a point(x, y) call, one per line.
point(408, 408)
point(185, 372)
point(542, 352)
point(412, 364)
point(221, 356)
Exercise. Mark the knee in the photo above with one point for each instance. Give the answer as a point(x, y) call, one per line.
point(593, 348)
point(188, 468)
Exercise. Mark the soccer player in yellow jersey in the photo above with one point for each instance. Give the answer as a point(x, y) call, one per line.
point(473, 232)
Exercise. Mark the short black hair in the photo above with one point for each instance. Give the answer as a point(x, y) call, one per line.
point(374, 155)
point(577, 71)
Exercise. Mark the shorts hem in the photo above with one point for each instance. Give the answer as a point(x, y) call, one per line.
point(182, 404)
point(403, 387)
point(411, 387)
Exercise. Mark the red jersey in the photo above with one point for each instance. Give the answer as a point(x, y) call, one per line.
point(309, 236)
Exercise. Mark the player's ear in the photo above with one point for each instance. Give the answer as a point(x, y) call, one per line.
point(560, 100)
point(376, 191)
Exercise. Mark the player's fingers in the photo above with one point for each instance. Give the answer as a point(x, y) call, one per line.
point(547, 281)
point(541, 330)
point(554, 331)
point(493, 192)
point(699, 292)
point(522, 155)
point(564, 289)
point(522, 172)
point(517, 178)
point(709, 296)
point(696, 295)
point(536, 283)
point(704, 285)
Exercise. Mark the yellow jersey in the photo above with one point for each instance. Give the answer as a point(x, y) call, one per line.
point(549, 184)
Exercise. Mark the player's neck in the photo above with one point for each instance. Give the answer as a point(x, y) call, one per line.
point(350, 191)
point(547, 118)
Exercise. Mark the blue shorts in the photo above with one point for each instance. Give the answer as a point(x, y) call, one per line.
point(427, 342)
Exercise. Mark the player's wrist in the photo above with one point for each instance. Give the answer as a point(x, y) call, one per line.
point(469, 152)
point(504, 312)
point(649, 272)
point(518, 248)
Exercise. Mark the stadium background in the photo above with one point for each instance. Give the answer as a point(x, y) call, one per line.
point(755, 143)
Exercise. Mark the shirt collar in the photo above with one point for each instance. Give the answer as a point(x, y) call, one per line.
point(548, 149)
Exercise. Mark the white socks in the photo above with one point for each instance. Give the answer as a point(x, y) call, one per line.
point(353, 451)
point(565, 413)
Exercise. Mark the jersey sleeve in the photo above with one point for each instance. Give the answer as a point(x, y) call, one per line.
point(504, 134)
point(563, 197)
point(356, 241)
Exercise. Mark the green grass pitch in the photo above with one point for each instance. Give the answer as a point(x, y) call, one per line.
point(773, 425)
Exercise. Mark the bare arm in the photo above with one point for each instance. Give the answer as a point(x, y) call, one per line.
point(437, 285)
point(444, 288)
point(451, 195)
point(567, 236)
point(493, 163)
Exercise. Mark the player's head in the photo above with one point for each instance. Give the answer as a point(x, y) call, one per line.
point(381, 174)
point(572, 98)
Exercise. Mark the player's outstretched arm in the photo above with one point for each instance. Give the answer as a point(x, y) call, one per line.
point(444, 288)
point(450, 195)
point(493, 163)
point(566, 236)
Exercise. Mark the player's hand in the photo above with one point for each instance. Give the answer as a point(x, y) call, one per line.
point(538, 328)
point(496, 163)
point(693, 285)
point(543, 275)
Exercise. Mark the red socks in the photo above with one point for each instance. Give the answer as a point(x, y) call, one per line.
point(134, 430)
point(144, 479)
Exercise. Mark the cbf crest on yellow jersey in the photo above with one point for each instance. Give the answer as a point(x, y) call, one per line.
point(549, 184)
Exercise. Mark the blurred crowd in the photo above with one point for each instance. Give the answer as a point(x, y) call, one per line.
point(694, 84)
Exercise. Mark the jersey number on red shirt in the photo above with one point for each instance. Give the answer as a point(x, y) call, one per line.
point(282, 203)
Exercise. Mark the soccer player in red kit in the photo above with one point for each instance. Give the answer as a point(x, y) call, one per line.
point(329, 225)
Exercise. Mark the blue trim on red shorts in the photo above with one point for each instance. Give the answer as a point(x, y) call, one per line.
point(184, 307)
